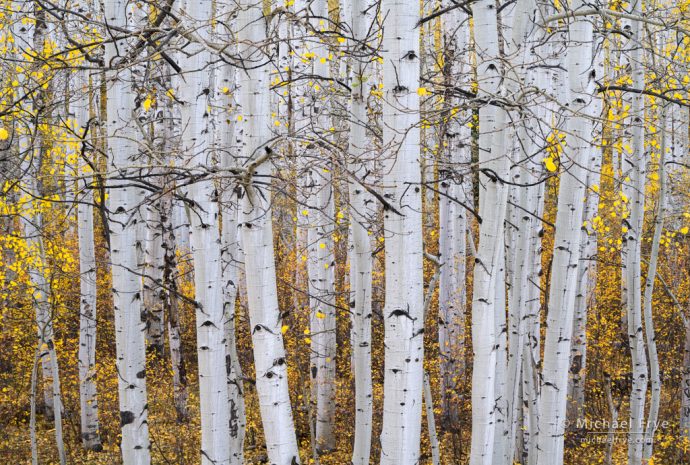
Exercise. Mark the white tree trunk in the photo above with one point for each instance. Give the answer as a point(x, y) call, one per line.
point(492, 210)
point(634, 189)
point(566, 253)
point(130, 328)
point(226, 151)
point(321, 257)
point(153, 272)
point(90, 435)
point(586, 276)
point(257, 241)
point(197, 92)
point(433, 438)
point(653, 356)
point(362, 213)
point(403, 312)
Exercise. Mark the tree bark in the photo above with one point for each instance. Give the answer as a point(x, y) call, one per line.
point(403, 311)
point(123, 201)
point(362, 213)
point(257, 241)
point(566, 253)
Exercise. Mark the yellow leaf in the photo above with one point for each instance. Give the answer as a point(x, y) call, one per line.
point(4, 134)
point(422, 91)
point(320, 315)
point(147, 104)
point(684, 230)
point(550, 165)
point(284, 329)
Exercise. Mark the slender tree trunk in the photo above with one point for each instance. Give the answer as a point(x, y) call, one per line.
point(613, 408)
point(170, 231)
point(492, 210)
point(153, 275)
point(566, 253)
point(362, 214)
point(226, 151)
point(198, 124)
point(634, 192)
point(257, 241)
point(29, 154)
point(653, 356)
point(90, 435)
point(179, 370)
point(130, 328)
point(433, 438)
point(586, 281)
point(403, 312)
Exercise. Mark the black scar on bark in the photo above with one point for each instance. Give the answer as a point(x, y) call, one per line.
point(314, 370)
point(126, 417)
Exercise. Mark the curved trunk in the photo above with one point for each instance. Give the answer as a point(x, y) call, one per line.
point(257, 241)
point(634, 190)
point(654, 375)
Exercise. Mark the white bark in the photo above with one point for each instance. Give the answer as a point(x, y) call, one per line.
point(653, 356)
point(320, 252)
point(404, 299)
point(613, 408)
point(180, 393)
point(170, 232)
point(87, 283)
point(490, 253)
point(130, 326)
point(634, 166)
point(226, 151)
point(361, 214)
point(29, 148)
point(153, 272)
point(586, 276)
point(257, 241)
point(566, 254)
point(197, 92)
point(433, 438)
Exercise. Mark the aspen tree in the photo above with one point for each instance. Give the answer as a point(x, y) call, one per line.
point(403, 312)
point(566, 253)
point(123, 201)
point(253, 126)
point(362, 211)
